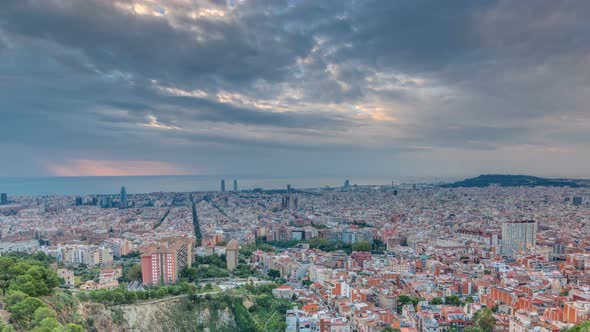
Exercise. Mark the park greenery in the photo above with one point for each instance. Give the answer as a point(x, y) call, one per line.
point(390, 329)
point(584, 327)
point(247, 250)
point(316, 243)
point(214, 266)
point(121, 295)
point(405, 299)
point(451, 300)
point(29, 294)
point(484, 320)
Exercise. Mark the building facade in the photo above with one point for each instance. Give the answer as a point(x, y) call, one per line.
point(162, 263)
point(518, 236)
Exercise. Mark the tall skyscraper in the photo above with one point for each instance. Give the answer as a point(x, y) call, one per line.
point(346, 183)
point(222, 185)
point(236, 185)
point(123, 201)
point(518, 236)
point(577, 201)
point(4, 198)
point(79, 201)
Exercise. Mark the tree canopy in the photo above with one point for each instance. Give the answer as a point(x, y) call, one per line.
point(362, 246)
point(484, 319)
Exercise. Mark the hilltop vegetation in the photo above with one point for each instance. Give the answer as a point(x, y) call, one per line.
point(517, 181)
point(30, 295)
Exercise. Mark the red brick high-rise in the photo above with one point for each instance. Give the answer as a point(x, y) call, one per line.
point(162, 263)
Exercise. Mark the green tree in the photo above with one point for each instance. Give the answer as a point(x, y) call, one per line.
point(8, 328)
point(472, 329)
point(274, 274)
point(390, 329)
point(362, 246)
point(23, 311)
point(436, 301)
point(5, 276)
point(454, 300)
point(484, 319)
point(48, 324)
point(15, 297)
point(71, 327)
point(41, 313)
point(584, 327)
point(133, 273)
point(243, 271)
point(27, 284)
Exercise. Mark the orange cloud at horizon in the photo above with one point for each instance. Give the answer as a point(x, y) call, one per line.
point(83, 167)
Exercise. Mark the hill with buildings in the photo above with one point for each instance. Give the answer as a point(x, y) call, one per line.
point(505, 180)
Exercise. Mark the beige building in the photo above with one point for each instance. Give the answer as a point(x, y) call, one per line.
point(231, 254)
point(67, 276)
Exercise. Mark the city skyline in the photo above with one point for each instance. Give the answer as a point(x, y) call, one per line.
point(294, 165)
point(294, 88)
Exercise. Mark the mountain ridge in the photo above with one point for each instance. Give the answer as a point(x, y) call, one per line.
point(509, 180)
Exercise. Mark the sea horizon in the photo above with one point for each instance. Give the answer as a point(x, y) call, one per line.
point(136, 184)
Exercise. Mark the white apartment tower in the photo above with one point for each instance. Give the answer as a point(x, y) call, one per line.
point(518, 236)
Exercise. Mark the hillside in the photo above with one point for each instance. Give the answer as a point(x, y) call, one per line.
point(517, 181)
point(171, 314)
point(32, 301)
point(247, 309)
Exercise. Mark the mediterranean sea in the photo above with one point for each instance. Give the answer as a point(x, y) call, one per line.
point(37, 186)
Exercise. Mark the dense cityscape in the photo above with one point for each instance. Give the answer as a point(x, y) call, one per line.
point(354, 258)
point(294, 166)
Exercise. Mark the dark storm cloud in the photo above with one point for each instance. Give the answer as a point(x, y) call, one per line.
point(205, 110)
point(356, 77)
point(150, 46)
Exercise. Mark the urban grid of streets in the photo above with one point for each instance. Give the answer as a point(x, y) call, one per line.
point(445, 249)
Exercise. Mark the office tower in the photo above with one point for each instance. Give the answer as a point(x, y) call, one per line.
point(79, 201)
point(346, 183)
point(288, 188)
point(518, 236)
point(222, 185)
point(162, 263)
point(4, 198)
point(235, 185)
point(231, 254)
point(123, 200)
point(577, 201)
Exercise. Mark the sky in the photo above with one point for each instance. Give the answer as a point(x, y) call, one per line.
point(294, 88)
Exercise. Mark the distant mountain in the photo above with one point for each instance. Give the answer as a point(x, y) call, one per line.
point(517, 181)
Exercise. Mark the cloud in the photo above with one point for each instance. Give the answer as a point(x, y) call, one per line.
point(114, 168)
point(262, 86)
